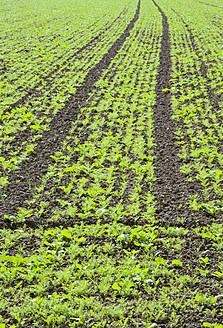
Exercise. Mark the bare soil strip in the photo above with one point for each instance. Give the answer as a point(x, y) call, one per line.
point(170, 189)
point(34, 90)
point(82, 140)
point(34, 93)
point(23, 180)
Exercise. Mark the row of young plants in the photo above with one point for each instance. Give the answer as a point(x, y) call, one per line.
point(25, 71)
point(102, 139)
point(36, 51)
point(62, 61)
point(33, 115)
point(105, 269)
point(196, 88)
point(197, 104)
point(100, 259)
point(101, 182)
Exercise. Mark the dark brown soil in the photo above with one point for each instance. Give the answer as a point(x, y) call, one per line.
point(38, 162)
point(213, 97)
point(36, 91)
point(171, 190)
point(31, 92)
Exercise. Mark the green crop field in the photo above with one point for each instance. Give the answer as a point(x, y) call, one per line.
point(111, 163)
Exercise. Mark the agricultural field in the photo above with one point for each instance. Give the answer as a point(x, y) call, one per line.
point(111, 163)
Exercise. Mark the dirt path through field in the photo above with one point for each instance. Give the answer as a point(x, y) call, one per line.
point(35, 91)
point(170, 189)
point(23, 180)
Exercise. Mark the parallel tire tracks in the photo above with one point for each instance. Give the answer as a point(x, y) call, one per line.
point(19, 188)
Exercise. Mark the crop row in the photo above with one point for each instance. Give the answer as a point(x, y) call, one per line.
point(43, 50)
point(82, 245)
point(196, 102)
point(24, 124)
point(97, 177)
point(197, 105)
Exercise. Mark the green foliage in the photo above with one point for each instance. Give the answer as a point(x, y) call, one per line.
point(101, 249)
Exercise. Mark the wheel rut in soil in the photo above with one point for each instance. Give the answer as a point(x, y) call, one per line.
point(170, 189)
point(19, 188)
point(33, 92)
point(30, 92)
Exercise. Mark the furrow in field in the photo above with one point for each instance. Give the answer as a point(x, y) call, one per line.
point(191, 113)
point(19, 132)
point(18, 192)
point(206, 105)
point(214, 98)
point(115, 154)
point(86, 249)
point(40, 26)
point(33, 90)
point(38, 59)
point(17, 76)
point(115, 145)
point(170, 188)
point(39, 87)
point(37, 44)
point(11, 33)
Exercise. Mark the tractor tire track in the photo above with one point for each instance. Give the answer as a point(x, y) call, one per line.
point(25, 134)
point(22, 181)
point(172, 191)
point(170, 188)
point(43, 219)
point(29, 94)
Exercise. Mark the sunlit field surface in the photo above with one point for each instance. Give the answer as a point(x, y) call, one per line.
point(111, 163)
